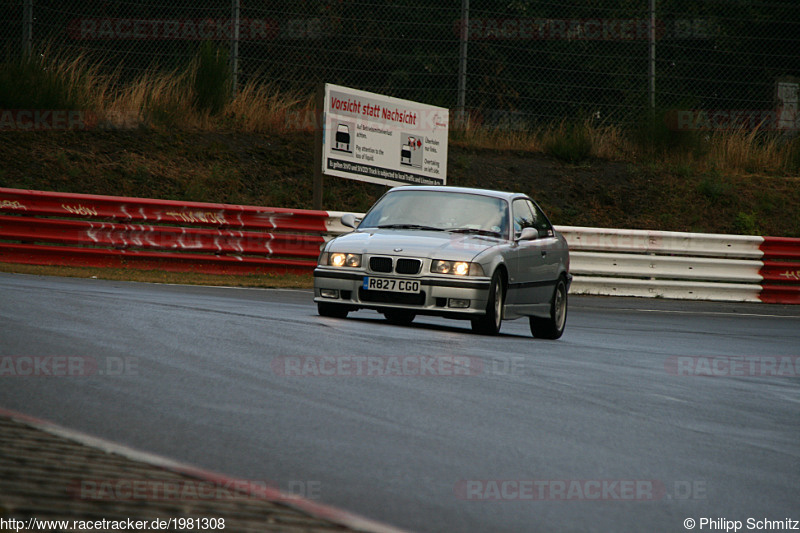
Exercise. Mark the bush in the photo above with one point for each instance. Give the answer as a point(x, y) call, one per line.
point(792, 155)
point(569, 143)
point(45, 82)
point(657, 132)
point(211, 78)
point(745, 224)
point(716, 190)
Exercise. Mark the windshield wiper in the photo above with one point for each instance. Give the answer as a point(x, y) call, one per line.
point(409, 226)
point(477, 231)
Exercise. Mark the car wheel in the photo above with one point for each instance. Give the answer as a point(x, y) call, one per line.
point(489, 324)
point(332, 310)
point(553, 326)
point(399, 317)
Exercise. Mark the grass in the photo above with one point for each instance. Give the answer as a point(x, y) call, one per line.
point(572, 143)
point(276, 281)
point(732, 152)
point(51, 80)
point(263, 108)
point(715, 189)
point(197, 98)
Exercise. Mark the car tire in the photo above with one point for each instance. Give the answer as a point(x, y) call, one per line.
point(489, 324)
point(553, 326)
point(332, 310)
point(399, 317)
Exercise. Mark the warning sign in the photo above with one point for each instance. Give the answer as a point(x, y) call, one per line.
point(380, 139)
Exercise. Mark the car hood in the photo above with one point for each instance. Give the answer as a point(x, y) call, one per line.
point(414, 243)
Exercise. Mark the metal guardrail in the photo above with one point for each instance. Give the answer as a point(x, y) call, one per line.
point(698, 266)
point(106, 231)
point(670, 264)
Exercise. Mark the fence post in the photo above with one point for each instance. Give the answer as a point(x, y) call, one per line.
point(462, 65)
point(652, 73)
point(27, 27)
point(235, 10)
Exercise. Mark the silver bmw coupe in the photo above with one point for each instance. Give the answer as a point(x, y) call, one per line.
point(480, 255)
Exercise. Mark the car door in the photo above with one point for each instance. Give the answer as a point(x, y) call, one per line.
point(534, 266)
point(554, 256)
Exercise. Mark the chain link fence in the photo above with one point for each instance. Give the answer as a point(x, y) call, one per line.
point(509, 63)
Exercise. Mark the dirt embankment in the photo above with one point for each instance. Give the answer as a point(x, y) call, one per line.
point(276, 170)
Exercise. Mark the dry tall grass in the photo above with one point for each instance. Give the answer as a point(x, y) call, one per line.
point(261, 107)
point(165, 99)
point(734, 152)
point(152, 99)
point(742, 151)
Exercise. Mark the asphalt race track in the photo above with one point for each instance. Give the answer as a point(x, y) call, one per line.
point(646, 412)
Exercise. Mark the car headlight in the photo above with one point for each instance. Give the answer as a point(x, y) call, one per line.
point(338, 259)
point(457, 268)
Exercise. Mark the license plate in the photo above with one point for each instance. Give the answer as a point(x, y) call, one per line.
point(391, 285)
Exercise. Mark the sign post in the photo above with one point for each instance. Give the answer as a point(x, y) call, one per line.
point(316, 202)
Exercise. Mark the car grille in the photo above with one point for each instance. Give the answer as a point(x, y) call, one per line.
point(408, 266)
point(385, 297)
point(380, 264)
point(403, 265)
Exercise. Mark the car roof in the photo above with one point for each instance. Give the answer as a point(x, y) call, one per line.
point(466, 190)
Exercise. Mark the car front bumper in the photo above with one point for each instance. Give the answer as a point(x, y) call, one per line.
point(439, 295)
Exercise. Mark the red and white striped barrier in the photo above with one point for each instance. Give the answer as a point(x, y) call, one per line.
point(670, 264)
point(106, 231)
point(48, 228)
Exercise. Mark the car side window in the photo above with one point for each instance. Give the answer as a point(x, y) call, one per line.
point(540, 222)
point(528, 215)
point(523, 216)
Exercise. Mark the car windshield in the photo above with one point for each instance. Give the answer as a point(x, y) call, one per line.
point(440, 210)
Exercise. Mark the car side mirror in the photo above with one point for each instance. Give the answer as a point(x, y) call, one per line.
point(350, 220)
point(528, 234)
